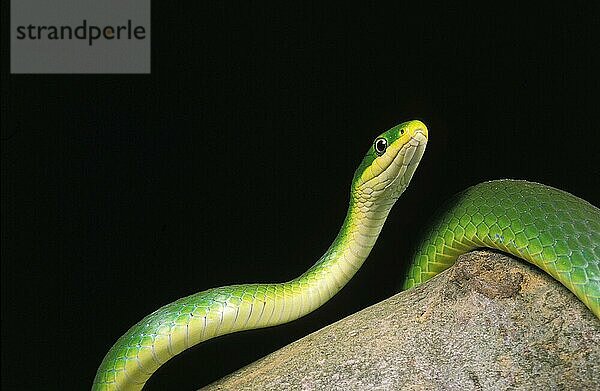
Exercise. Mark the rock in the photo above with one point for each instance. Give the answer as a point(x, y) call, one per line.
point(488, 323)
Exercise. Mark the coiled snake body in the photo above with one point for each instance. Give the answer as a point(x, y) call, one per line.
point(550, 228)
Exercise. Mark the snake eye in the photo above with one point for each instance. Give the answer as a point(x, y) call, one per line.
point(380, 146)
point(401, 131)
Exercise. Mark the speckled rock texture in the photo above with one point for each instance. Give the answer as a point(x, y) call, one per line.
point(490, 322)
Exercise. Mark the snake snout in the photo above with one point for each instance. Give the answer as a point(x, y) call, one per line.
point(418, 129)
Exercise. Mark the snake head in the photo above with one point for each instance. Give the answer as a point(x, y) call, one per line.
point(389, 164)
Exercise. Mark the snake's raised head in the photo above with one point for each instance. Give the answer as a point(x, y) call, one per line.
point(390, 163)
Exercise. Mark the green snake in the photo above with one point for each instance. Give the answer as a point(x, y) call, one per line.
point(550, 228)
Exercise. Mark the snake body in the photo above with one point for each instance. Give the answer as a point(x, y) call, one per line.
point(550, 228)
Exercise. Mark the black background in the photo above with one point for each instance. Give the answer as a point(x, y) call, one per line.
point(232, 161)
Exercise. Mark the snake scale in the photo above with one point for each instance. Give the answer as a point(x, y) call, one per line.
point(547, 227)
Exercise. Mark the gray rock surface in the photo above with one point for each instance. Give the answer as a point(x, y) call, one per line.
point(488, 323)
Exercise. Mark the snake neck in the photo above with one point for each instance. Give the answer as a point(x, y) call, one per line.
point(357, 236)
